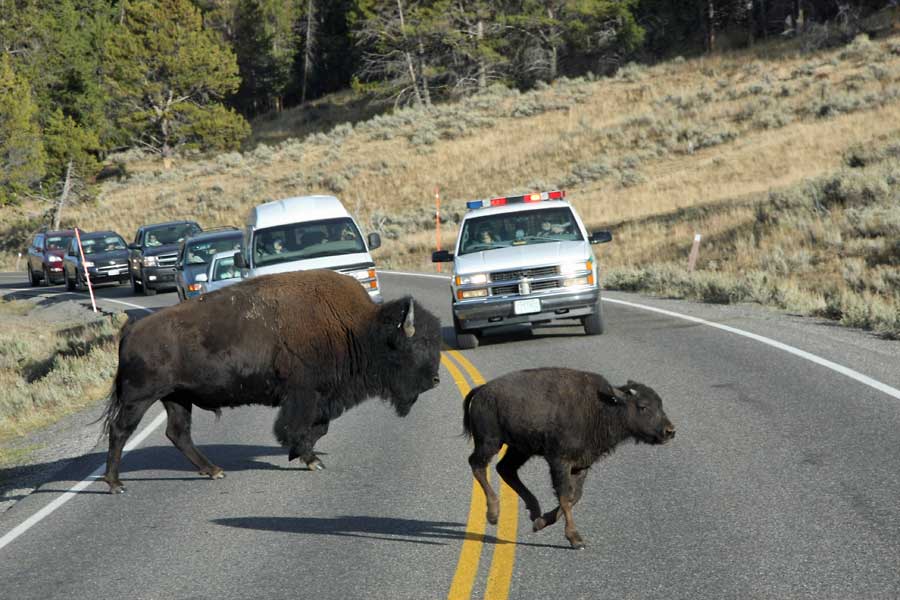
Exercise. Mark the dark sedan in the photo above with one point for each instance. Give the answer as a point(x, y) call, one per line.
point(105, 256)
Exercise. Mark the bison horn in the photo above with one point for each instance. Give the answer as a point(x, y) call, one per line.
point(409, 323)
point(618, 396)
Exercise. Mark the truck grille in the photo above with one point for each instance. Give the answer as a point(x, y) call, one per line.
point(108, 267)
point(523, 273)
point(167, 260)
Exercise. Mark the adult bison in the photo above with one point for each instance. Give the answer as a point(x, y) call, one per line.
point(311, 343)
point(569, 417)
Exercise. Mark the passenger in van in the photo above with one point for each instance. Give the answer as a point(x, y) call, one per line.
point(545, 229)
point(485, 236)
point(278, 247)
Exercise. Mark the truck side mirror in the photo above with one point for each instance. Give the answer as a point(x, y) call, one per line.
point(441, 256)
point(239, 261)
point(374, 240)
point(133, 247)
point(600, 237)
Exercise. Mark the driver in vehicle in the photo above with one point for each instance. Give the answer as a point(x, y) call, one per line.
point(153, 241)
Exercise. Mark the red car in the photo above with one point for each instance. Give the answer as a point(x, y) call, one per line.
point(45, 256)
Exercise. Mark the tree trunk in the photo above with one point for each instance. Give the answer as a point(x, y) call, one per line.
point(710, 25)
point(426, 95)
point(554, 49)
point(409, 60)
point(482, 68)
point(67, 187)
point(307, 47)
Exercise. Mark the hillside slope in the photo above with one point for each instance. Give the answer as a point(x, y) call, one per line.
point(737, 147)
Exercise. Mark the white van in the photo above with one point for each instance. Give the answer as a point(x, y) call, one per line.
point(308, 232)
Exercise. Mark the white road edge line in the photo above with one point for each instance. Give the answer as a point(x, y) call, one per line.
point(99, 298)
point(73, 491)
point(846, 371)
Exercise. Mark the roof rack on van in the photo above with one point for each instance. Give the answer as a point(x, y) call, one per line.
point(219, 228)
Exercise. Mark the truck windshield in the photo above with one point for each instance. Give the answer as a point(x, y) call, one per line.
point(169, 234)
point(301, 241)
point(109, 243)
point(519, 229)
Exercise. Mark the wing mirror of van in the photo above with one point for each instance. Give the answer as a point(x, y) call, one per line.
point(239, 261)
point(374, 240)
point(600, 237)
point(442, 256)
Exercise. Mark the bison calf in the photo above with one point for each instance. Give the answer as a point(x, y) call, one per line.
point(569, 417)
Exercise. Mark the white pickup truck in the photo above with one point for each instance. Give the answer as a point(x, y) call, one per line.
point(523, 259)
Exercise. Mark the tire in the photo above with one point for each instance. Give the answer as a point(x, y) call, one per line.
point(134, 284)
point(466, 341)
point(595, 324)
point(70, 284)
point(32, 278)
point(46, 276)
point(148, 291)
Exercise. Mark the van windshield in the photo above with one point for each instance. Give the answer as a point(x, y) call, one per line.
point(301, 241)
point(519, 229)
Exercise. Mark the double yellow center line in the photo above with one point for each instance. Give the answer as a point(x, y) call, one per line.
point(504, 549)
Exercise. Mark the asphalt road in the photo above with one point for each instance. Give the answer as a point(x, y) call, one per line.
point(782, 482)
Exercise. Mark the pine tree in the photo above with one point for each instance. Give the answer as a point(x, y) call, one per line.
point(21, 151)
point(168, 75)
point(71, 158)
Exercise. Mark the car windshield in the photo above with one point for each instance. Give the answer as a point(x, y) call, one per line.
point(301, 241)
point(519, 229)
point(225, 269)
point(108, 243)
point(169, 234)
point(200, 253)
point(58, 242)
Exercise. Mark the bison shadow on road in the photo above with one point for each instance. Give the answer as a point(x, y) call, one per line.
point(45, 476)
point(510, 334)
point(379, 528)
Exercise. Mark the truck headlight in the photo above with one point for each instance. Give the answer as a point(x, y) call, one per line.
point(53, 258)
point(464, 294)
point(150, 261)
point(577, 281)
point(572, 268)
point(472, 279)
point(367, 278)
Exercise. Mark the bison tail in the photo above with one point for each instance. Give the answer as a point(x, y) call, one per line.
point(112, 410)
point(467, 403)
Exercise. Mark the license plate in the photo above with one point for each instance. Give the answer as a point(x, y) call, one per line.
point(112, 272)
point(524, 307)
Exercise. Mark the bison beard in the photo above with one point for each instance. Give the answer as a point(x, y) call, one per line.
point(571, 418)
point(310, 343)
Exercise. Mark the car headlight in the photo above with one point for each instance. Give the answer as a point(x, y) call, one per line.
point(150, 261)
point(88, 263)
point(472, 279)
point(52, 258)
point(572, 268)
point(464, 294)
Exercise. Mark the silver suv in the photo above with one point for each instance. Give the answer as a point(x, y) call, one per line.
point(523, 259)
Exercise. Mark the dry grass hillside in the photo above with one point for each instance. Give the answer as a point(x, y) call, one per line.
point(787, 161)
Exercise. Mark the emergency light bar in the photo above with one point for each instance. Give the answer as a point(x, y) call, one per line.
point(502, 201)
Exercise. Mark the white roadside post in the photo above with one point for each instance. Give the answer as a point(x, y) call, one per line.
point(695, 252)
point(87, 276)
point(18, 260)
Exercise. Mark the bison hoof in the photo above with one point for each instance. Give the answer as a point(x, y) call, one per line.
point(315, 465)
point(116, 488)
point(538, 524)
point(576, 542)
point(216, 473)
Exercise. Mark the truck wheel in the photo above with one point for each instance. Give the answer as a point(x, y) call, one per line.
point(70, 284)
point(32, 278)
point(134, 283)
point(595, 324)
point(148, 291)
point(466, 341)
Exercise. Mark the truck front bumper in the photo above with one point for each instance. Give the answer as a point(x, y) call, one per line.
point(159, 277)
point(493, 312)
